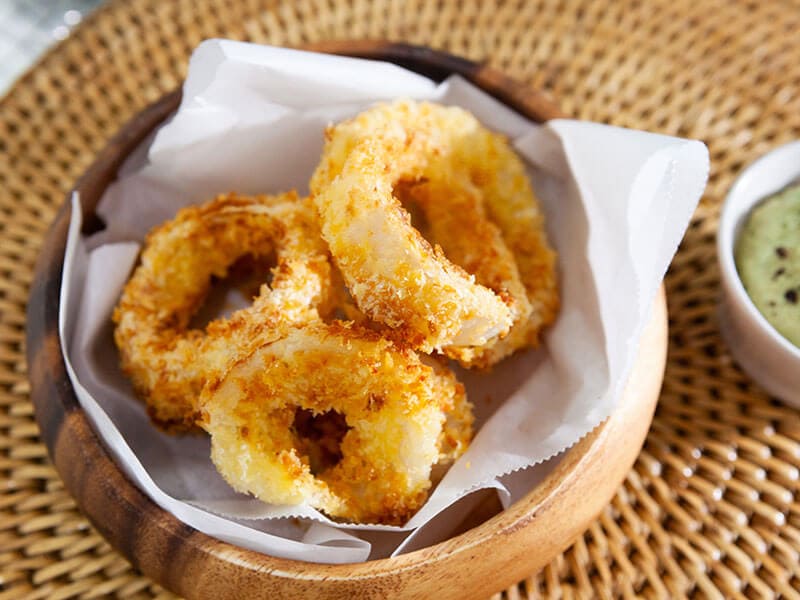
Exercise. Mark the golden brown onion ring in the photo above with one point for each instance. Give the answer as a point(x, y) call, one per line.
point(499, 173)
point(167, 361)
point(393, 273)
point(455, 218)
point(402, 417)
point(488, 172)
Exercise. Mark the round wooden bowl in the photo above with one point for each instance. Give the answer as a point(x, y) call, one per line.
point(484, 559)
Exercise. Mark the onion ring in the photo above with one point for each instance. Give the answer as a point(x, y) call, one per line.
point(490, 181)
point(167, 361)
point(396, 409)
point(511, 204)
point(455, 218)
point(393, 273)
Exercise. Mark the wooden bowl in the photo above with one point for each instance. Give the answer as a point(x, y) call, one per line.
point(484, 559)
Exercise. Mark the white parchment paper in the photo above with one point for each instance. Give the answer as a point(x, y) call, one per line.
point(251, 120)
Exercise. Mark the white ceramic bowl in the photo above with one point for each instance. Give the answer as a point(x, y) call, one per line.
point(767, 356)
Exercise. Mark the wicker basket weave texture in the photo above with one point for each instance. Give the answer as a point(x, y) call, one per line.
point(712, 506)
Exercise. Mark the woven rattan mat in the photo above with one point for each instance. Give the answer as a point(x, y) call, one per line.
point(712, 505)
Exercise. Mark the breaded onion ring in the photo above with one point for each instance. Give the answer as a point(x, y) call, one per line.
point(393, 273)
point(396, 410)
point(485, 178)
point(455, 218)
point(167, 362)
point(510, 203)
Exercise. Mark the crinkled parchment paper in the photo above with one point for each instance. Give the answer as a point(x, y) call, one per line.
point(252, 117)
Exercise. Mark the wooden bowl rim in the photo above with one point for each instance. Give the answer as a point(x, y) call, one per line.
point(526, 101)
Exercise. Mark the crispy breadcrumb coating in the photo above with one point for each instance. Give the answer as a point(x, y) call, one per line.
point(485, 168)
point(480, 211)
point(512, 205)
point(402, 415)
point(167, 362)
point(393, 273)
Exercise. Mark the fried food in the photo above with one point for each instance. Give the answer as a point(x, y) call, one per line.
point(393, 273)
point(455, 218)
point(510, 253)
point(345, 415)
point(511, 204)
point(396, 417)
point(167, 361)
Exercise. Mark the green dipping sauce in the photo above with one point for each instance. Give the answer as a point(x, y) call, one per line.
point(768, 259)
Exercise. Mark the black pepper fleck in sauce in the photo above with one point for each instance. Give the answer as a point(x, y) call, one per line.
point(791, 296)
